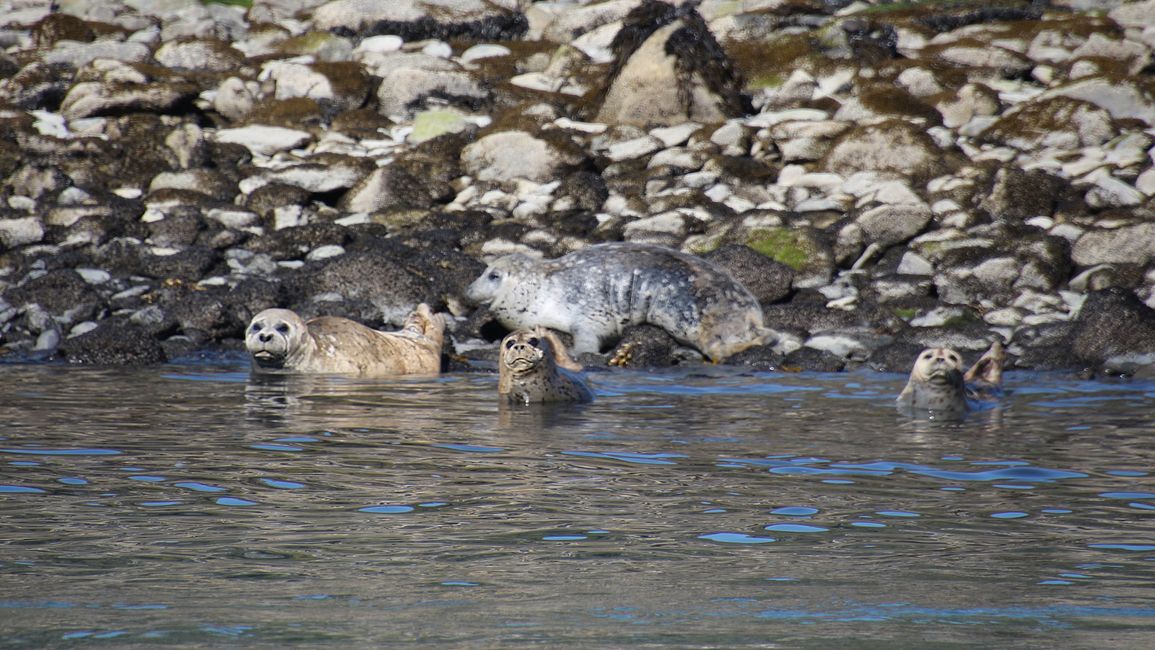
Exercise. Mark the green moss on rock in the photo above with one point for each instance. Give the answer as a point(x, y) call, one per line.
point(782, 245)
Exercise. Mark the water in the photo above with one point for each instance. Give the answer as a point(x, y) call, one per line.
point(191, 505)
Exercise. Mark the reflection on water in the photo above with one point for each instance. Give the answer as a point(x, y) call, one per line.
point(199, 505)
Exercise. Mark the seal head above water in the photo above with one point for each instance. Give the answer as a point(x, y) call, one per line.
point(534, 367)
point(595, 293)
point(938, 384)
point(280, 340)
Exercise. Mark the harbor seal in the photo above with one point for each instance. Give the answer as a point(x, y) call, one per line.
point(596, 292)
point(280, 340)
point(937, 382)
point(534, 367)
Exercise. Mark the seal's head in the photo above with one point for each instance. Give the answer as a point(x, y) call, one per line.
point(941, 366)
point(273, 335)
point(524, 351)
point(486, 287)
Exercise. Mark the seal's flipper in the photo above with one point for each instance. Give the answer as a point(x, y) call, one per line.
point(989, 368)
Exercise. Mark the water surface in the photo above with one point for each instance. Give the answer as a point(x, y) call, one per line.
point(193, 505)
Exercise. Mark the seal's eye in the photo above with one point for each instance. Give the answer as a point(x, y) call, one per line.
point(927, 355)
point(509, 344)
point(494, 276)
point(283, 328)
point(533, 340)
point(255, 327)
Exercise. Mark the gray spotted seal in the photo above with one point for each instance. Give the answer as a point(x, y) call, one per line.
point(594, 293)
point(534, 367)
point(280, 340)
point(938, 384)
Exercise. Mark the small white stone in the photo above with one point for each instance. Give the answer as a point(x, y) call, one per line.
point(484, 51)
point(915, 264)
point(94, 276)
point(22, 203)
point(439, 49)
point(381, 44)
point(128, 192)
point(635, 148)
point(325, 252)
point(672, 136)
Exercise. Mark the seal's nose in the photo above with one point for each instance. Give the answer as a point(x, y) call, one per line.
point(265, 337)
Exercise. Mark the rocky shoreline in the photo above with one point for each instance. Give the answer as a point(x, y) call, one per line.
point(882, 177)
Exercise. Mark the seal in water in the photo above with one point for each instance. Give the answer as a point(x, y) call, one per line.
point(280, 340)
point(534, 367)
point(594, 293)
point(937, 382)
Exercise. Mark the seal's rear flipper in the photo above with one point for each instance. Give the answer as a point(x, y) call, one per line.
point(989, 368)
point(561, 357)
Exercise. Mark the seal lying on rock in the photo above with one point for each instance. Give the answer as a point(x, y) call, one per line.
point(279, 339)
point(534, 367)
point(937, 382)
point(596, 292)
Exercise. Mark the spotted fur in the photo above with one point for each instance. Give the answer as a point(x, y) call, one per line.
point(534, 367)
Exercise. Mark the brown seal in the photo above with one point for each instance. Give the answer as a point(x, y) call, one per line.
point(534, 367)
point(280, 340)
point(938, 384)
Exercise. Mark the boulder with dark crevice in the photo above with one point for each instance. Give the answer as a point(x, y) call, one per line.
point(669, 69)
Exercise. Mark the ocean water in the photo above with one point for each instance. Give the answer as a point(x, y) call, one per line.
point(193, 505)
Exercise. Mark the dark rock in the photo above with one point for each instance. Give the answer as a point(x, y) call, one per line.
point(645, 346)
point(60, 27)
point(115, 341)
point(388, 286)
point(1017, 195)
point(294, 243)
point(586, 190)
point(759, 357)
point(1112, 322)
point(63, 293)
point(769, 280)
point(269, 197)
point(811, 360)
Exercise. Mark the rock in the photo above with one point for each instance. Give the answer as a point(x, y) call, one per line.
point(1119, 96)
point(1112, 322)
point(1126, 245)
point(115, 341)
point(209, 56)
point(415, 20)
point(403, 91)
point(1017, 195)
point(263, 140)
point(891, 224)
point(669, 69)
point(1059, 122)
point(770, 281)
point(92, 98)
point(509, 155)
point(893, 146)
point(20, 231)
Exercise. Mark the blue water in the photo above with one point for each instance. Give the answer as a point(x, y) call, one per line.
point(191, 505)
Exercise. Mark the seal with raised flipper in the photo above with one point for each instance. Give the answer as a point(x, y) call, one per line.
point(534, 367)
point(938, 384)
point(280, 340)
point(595, 293)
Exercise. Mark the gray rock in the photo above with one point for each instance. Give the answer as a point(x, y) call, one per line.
point(1126, 245)
point(91, 98)
point(77, 55)
point(1112, 322)
point(210, 56)
point(20, 231)
point(890, 224)
point(1058, 121)
point(415, 20)
point(509, 155)
point(894, 147)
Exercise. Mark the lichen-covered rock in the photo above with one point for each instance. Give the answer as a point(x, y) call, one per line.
point(509, 155)
point(894, 146)
point(1112, 322)
point(1133, 244)
point(769, 280)
point(415, 20)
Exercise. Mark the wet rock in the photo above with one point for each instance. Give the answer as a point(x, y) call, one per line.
point(114, 342)
point(386, 287)
point(1112, 322)
point(136, 95)
point(62, 293)
point(648, 346)
point(1018, 195)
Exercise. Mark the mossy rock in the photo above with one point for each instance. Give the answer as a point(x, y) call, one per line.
point(794, 248)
